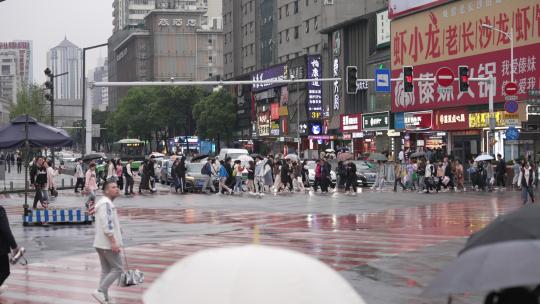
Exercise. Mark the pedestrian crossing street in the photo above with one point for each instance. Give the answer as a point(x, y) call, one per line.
point(341, 241)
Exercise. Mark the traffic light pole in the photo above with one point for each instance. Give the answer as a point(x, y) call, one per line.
point(51, 79)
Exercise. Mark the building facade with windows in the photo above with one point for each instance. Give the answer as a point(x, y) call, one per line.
point(172, 45)
point(290, 42)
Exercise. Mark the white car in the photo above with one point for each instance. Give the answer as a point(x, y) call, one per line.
point(311, 165)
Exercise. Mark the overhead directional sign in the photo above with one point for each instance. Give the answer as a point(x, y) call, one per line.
point(511, 88)
point(444, 77)
point(382, 80)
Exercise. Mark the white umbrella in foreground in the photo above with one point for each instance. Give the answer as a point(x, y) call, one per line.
point(483, 157)
point(250, 274)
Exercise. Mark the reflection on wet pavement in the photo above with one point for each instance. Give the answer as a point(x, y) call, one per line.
point(394, 251)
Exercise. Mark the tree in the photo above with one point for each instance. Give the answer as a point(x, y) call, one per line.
point(215, 116)
point(30, 100)
point(174, 109)
point(134, 117)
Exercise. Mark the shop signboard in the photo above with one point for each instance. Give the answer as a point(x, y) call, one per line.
point(375, 121)
point(383, 28)
point(274, 111)
point(451, 35)
point(283, 111)
point(278, 72)
point(274, 129)
point(451, 119)
point(314, 96)
point(481, 120)
point(284, 97)
point(322, 137)
point(350, 123)
point(315, 128)
point(418, 121)
point(263, 123)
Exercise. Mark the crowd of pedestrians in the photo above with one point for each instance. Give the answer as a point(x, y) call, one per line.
point(12, 160)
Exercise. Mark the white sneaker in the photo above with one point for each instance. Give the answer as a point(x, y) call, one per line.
point(3, 289)
point(99, 296)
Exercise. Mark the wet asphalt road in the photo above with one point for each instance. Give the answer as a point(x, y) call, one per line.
point(387, 245)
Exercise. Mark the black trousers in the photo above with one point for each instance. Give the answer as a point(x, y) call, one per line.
point(80, 181)
point(128, 187)
point(120, 183)
point(350, 182)
point(500, 180)
point(4, 268)
point(398, 181)
point(19, 167)
point(39, 195)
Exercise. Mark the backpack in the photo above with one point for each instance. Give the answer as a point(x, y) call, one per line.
point(205, 170)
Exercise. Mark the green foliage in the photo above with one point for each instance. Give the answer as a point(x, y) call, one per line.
point(215, 116)
point(30, 100)
point(154, 112)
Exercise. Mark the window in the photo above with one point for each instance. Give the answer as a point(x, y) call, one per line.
point(251, 49)
point(287, 34)
point(316, 23)
point(286, 10)
point(307, 2)
point(296, 7)
point(280, 37)
point(251, 27)
point(251, 6)
point(246, 30)
point(209, 40)
point(280, 13)
point(296, 29)
point(209, 75)
point(209, 58)
point(307, 26)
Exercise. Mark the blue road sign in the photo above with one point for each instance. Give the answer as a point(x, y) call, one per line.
point(382, 80)
point(512, 133)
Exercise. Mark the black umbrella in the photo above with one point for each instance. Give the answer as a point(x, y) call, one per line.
point(92, 156)
point(25, 131)
point(13, 135)
point(522, 224)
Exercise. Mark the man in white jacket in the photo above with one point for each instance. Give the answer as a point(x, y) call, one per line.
point(107, 241)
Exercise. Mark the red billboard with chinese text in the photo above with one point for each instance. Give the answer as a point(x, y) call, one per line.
point(452, 35)
point(451, 119)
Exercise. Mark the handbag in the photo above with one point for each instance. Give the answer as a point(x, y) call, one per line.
point(130, 277)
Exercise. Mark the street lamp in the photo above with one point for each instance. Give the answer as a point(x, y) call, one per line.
point(510, 36)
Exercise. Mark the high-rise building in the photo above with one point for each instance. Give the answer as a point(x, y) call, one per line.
point(100, 96)
point(66, 57)
point(130, 13)
point(15, 68)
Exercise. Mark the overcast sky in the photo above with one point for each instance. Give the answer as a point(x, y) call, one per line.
point(46, 22)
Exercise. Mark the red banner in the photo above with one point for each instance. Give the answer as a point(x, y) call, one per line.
point(426, 95)
point(274, 110)
point(451, 119)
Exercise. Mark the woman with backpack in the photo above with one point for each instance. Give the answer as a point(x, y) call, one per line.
point(223, 176)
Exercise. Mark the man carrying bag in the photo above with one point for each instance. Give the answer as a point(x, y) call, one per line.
point(107, 241)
